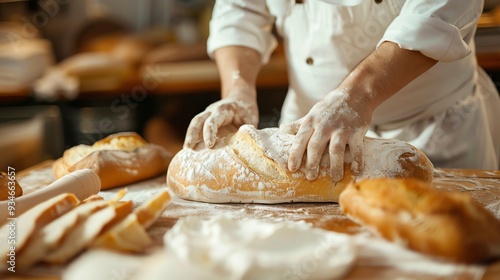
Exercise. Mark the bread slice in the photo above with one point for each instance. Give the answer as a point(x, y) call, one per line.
point(33, 220)
point(118, 159)
point(81, 236)
point(130, 234)
point(251, 166)
point(126, 236)
point(442, 224)
point(9, 186)
point(50, 236)
point(148, 212)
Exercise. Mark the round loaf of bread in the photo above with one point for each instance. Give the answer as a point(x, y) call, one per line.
point(250, 166)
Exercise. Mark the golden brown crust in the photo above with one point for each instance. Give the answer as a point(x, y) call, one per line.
point(8, 186)
point(226, 186)
point(119, 159)
point(434, 222)
point(422, 170)
point(240, 169)
point(148, 212)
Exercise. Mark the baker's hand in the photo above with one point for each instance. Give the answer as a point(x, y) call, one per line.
point(238, 108)
point(336, 121)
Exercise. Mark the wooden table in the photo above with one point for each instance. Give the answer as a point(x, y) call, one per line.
point(484, 186)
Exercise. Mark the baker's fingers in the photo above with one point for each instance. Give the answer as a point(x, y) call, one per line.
point(212, 125)
point(315, 150)
point(194, 131)
point(356, 148)
point(299, 147)
point(291, 128)
point(337, 151)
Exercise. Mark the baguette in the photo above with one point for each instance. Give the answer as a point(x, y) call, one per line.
point(251, 166)
point(443, 224)
point(118, 159)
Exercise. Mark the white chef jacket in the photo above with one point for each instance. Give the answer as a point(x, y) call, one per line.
point(325, 40)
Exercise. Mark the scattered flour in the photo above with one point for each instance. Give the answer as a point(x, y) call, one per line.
point(239, 249)
point(494, 208)
point(224, 248)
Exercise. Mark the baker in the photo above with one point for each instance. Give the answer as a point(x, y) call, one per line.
point(380, 68)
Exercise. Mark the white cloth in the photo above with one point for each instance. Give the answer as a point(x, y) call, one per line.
point(334, 38)
point(466, 135)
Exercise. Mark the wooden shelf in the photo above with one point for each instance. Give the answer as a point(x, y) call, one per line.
point(202, 76)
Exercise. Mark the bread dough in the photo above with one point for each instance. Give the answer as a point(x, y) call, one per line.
point(251, 166)
point(224, 248)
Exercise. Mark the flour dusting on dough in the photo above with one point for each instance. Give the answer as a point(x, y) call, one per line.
point(381, 156)
point(251, 166)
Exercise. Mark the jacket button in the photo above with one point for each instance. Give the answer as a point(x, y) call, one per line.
point(378, 1)
point(309, 61)
point(299, 1)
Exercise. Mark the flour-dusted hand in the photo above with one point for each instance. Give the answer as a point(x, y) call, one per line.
point(239, 108)
point(336, 121)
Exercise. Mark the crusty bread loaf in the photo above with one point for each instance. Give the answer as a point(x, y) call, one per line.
point(250, 166)
point(118, 159)
point(442, 224)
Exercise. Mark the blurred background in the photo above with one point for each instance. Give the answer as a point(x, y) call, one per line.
point(75, 71)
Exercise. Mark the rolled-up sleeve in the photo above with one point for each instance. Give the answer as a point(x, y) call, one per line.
point(439, 29)
point(242, 23)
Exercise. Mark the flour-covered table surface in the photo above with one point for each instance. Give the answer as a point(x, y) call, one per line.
point(484, 186)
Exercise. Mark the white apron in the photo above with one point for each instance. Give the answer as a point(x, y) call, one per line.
point(449, 112)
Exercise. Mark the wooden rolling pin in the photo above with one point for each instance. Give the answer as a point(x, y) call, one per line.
point(82, 183)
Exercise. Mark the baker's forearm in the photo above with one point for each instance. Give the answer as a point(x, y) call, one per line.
point(384, 72)
point(238, 68)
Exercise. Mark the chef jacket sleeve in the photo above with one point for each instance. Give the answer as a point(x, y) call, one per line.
point(439, 29)
point(242, 23)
